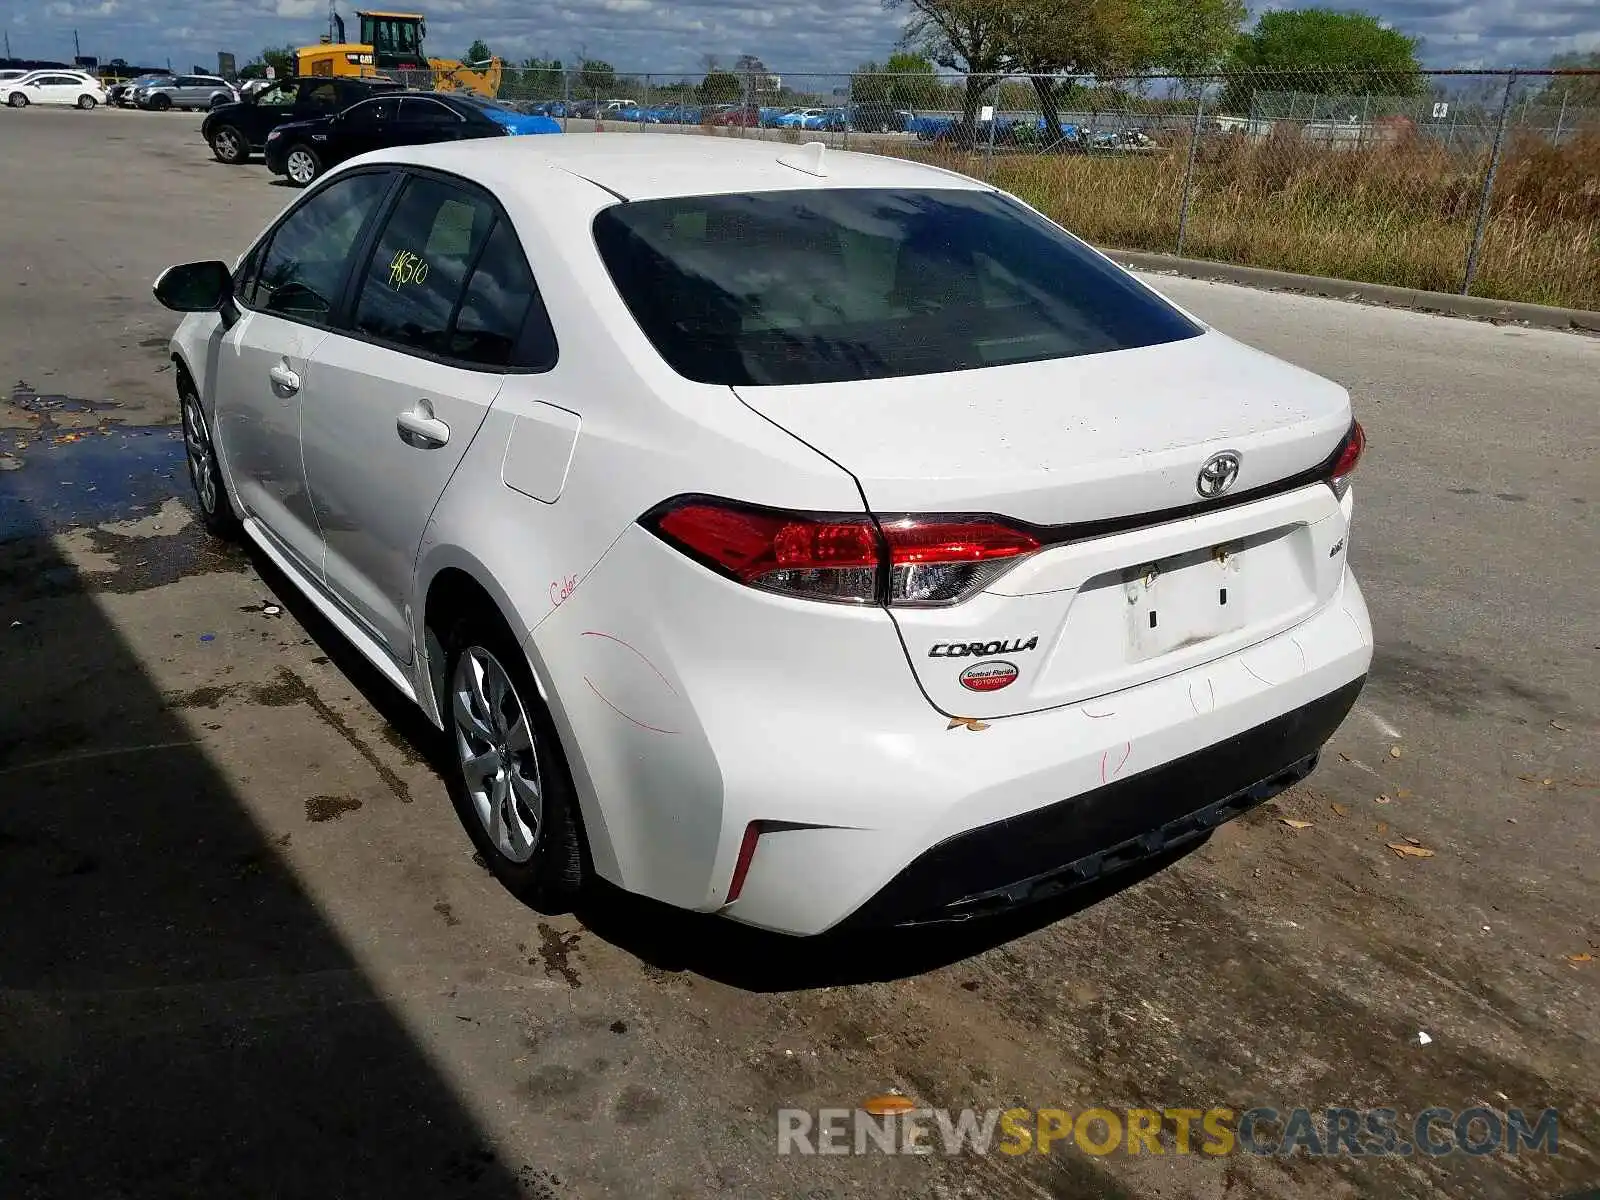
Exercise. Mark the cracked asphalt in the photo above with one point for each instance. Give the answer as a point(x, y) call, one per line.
point(245, 949)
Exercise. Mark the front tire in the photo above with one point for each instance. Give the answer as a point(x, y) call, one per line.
point(228, 144)
point(161, 103)
point(17, 100)
point(301, 165)
point(205, 473)
point(511, 785)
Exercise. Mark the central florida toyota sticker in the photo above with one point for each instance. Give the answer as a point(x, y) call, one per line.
point(989, 676)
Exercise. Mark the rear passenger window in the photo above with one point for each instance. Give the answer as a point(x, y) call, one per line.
point(305, 262)
point(419, 268)
point(448, 279)
point(495, 306)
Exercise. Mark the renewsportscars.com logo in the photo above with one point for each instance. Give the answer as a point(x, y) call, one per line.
point(892, 1124)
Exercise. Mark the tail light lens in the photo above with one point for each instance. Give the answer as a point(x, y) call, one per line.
point(1345, 461)
point(851, 560)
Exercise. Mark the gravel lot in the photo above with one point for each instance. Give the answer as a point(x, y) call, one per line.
point(246, 950)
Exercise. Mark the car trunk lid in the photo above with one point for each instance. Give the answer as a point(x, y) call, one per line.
point(1139, 574)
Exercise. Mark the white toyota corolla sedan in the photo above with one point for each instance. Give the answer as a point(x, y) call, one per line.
point(809, 537)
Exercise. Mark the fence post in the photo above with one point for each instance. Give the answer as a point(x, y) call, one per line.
point(1488, 187)
point(566, 100)
point(745, 115)
point(988, 153)
point(645, 104)
point(1561, 117)
point(1188, 170)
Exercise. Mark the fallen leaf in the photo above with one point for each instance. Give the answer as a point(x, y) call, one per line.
point(1402, 794)
point(1295, 823)
point(1408, 851)
point(1382, 800)
point(1413, 841)
point(1383, 827)
point(1560, 725)
point(1580, 958)
point(1340, 809)
point(1394, 751)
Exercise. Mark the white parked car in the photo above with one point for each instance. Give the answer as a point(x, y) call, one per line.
point(71, 88)
point(802, 536)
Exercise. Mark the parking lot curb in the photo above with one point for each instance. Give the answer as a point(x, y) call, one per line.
point(1542, 315)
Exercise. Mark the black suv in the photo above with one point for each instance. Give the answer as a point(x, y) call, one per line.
point(235, 131)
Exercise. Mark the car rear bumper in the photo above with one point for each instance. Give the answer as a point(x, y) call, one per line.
point(1051, 850)
point(713, 710)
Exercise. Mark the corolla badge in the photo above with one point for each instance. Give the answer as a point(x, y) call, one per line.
point(1217, 474)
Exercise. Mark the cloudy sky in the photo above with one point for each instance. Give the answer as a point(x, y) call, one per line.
point(644, 35)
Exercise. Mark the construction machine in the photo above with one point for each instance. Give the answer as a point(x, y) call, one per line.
point(390, 43)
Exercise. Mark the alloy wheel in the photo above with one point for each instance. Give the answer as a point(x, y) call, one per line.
point(301, 166)
point(499, 764)
point(197, 449)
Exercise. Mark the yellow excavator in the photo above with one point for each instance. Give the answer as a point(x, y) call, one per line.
point(390, 43)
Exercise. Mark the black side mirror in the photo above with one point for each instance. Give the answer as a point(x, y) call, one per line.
point(195, 287)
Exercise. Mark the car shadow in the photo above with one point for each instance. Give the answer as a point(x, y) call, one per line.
point(672, 939)
point(178, 1018)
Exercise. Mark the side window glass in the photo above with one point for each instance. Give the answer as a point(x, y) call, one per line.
point(420, 265)
point(304, 265)
point(496, 302)
point(323, 95)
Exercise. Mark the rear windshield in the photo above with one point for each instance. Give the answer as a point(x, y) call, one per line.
point(828, 285)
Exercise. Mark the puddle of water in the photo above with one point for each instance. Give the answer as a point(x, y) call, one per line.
point(54, 485)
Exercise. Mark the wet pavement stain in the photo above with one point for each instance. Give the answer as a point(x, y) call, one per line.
point(443, 910)
point(555, 950)
point(330, 808)
point(101, 476)
point(291, 689)
point(200, 697)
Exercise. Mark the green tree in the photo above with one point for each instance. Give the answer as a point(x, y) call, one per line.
point(1054, 40)
point(1189, 37)
point(597, 76)
point(970, 36)
point(1578, 91)
point(1324, 52)
point(478, 52)
point(284, 60)
point(719, 87)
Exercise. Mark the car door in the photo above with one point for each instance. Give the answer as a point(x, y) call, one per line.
point(59, 89)
point(423, 120)
point(317, 98)
point(289, 292)
point(365, 126)
point(269, 109)
point(439, 307)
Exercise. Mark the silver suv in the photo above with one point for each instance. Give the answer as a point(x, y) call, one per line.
point(186, 91)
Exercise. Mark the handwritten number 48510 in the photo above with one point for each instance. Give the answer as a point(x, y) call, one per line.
point(406, 267)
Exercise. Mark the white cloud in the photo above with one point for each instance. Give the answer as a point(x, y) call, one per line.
point(296, 8)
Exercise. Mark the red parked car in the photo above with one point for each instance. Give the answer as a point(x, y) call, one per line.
point(733, 114)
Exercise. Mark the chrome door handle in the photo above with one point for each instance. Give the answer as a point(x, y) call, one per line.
point(419, 425)
point(284, 381)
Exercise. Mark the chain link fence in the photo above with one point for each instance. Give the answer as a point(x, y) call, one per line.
point(1480, 182)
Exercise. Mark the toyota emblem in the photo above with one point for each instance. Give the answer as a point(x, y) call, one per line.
point(1217, 474)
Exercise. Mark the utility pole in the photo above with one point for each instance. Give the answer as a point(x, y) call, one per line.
point(76, 48)
point(8, 45)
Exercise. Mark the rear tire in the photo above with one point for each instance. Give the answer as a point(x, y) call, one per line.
point(17, 100)
point(86, 102)
point(493, 715)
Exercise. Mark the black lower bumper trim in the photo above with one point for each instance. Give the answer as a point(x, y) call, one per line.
point(1042, 853)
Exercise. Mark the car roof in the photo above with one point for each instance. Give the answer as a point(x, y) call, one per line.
point(652, 167)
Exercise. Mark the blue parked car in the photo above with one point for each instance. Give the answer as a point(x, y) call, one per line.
point(804, 118)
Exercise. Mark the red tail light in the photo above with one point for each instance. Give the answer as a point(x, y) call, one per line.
point(847, 559)
point(1348, 457)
